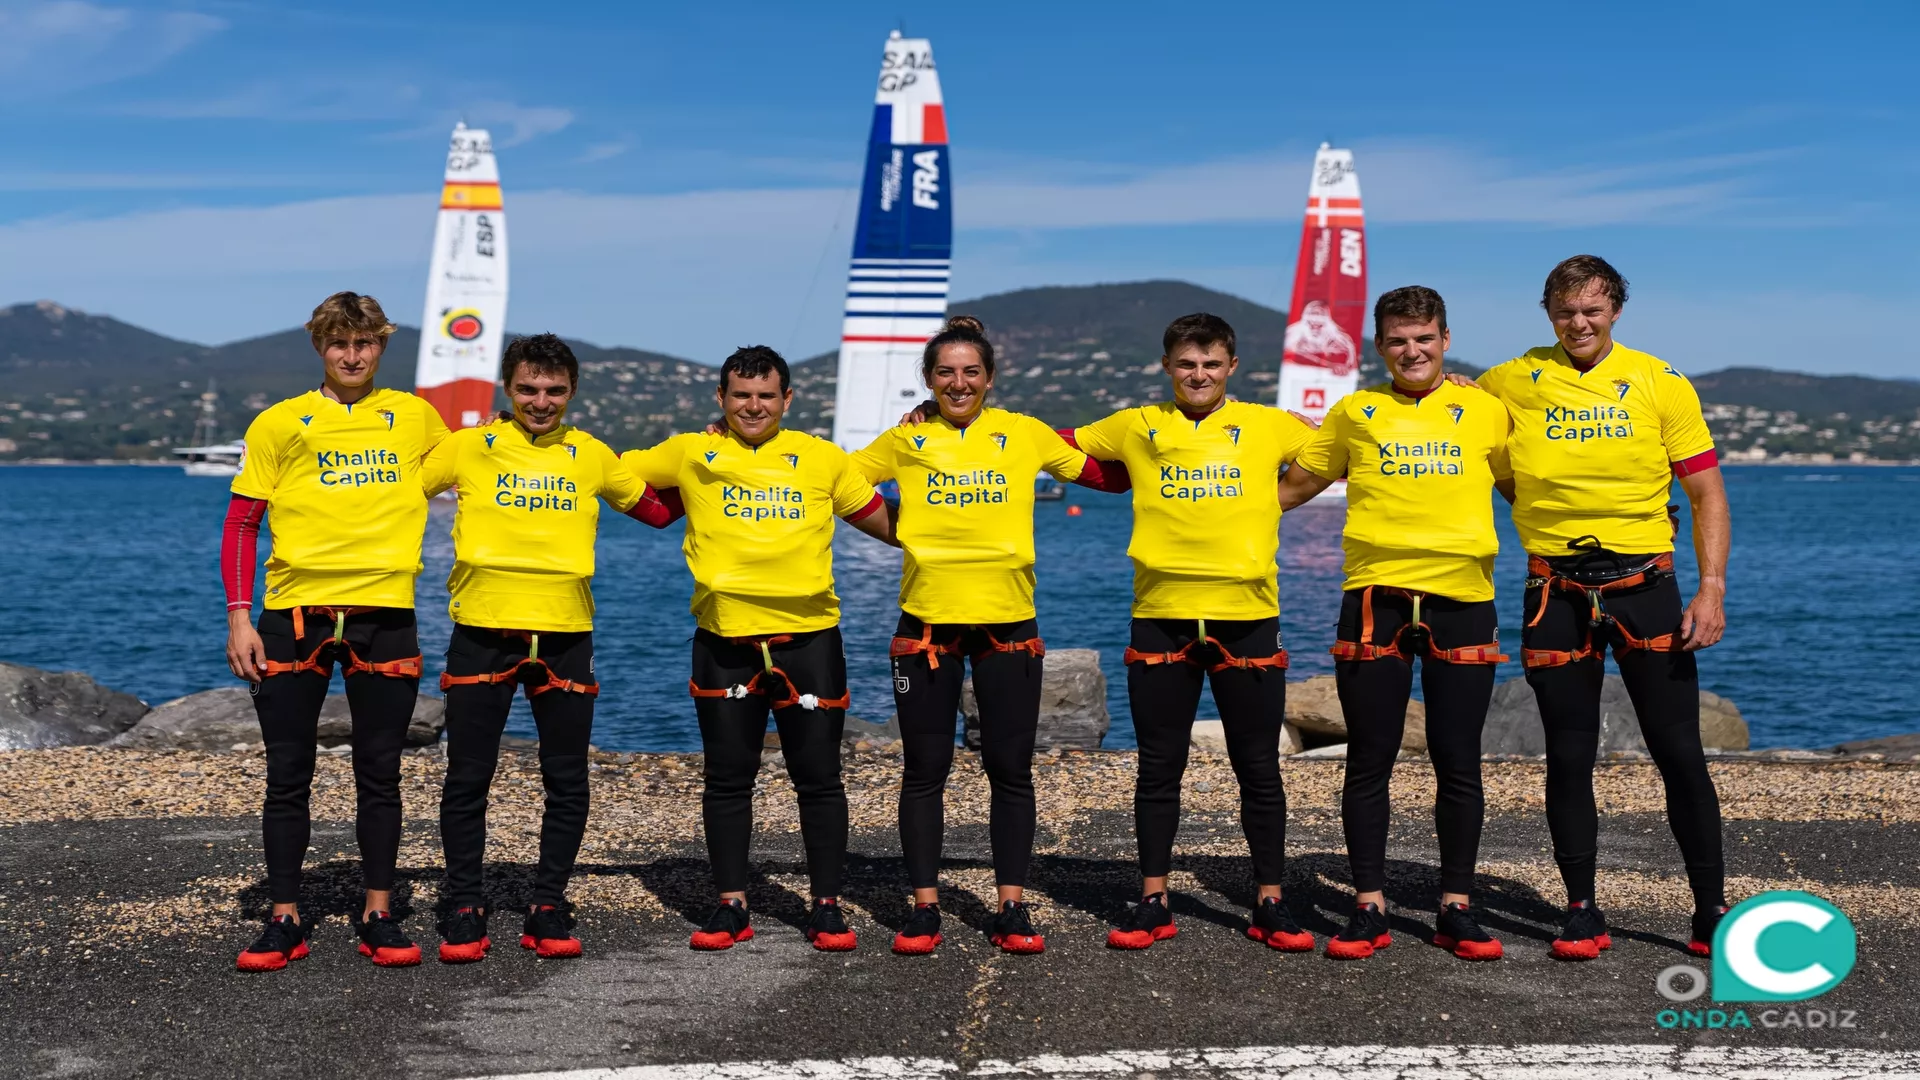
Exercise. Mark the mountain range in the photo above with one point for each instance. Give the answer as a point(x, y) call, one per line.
point(80, 385)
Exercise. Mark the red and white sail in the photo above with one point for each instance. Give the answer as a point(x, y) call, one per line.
point(1321, 362)
point(466, 313)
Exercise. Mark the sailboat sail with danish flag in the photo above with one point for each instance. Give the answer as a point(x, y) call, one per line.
point(1320, 363)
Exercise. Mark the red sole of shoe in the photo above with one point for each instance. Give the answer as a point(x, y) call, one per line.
point(1025, 944)
point(706, 942)
point(1139, 939)
point(834, 942)
point(1470, 950)
point(1584, 949)
point(916, 946)
point(1300, 942)
point(471, 952)
point(551, 948)
point(391, 957)
point(1357, 950)
point(1699, 948)
point(271, 961)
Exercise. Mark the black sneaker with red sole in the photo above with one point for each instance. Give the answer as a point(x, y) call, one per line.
point(463, 936)
point(921, 935)
point(1366, 933)
point(1149, 921)
point(725, 928)
point(827, 927)
point(548, 931)
point(1584, 936)
point(1013, 929)
point(284, 939)
point(1705, 922)
point(383, 942)
point(1457, 931)
point(1275, 925)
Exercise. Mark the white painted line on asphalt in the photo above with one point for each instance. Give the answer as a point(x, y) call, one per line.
point(870, 1068)
point(1532, 1062)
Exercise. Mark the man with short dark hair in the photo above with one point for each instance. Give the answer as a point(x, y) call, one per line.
point(338, 469)
point(761, 503)
point(1601, 431)
point(530, 487)
point(1206, 606)
point(1422, 458)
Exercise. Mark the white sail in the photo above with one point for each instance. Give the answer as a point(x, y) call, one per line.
point(902, 248)
point(466, 312)
point(1320, 360)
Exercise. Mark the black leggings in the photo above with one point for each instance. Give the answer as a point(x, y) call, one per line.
point(1373, 698)
point(289, 709)
point(1253, 705)
point(1007, 686)
point(1665, 688)
point(476, 715)
point(732, 730)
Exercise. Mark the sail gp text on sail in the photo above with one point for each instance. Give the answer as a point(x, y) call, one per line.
point(1204, 482)
point(357, 468)
point(1584, 425)
point(780, 503)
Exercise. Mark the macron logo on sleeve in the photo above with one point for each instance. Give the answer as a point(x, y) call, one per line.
point(306, 420)
point(711, 454)
point(1536, 374)
point(919, 442)
point(489, 436)
point(1368, 409)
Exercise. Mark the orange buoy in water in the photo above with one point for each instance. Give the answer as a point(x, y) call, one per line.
point(1073, 511)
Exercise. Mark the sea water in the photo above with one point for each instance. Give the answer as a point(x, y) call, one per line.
point(114, 572)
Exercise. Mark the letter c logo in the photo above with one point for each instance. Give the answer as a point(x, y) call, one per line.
point(1781, 946)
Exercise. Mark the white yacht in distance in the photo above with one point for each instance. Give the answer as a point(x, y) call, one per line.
point(209, 458)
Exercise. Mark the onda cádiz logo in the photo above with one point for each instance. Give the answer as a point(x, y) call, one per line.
point(1783, 946)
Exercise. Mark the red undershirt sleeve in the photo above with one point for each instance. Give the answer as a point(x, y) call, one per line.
point(240, 549)
point(658, 508)
point(1109, 476)
point(1701, 462)
point(874, 504)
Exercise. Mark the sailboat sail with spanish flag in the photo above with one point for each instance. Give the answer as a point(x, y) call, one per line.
point(466, 313)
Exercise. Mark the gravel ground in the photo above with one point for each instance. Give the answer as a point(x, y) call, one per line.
point(127, 881)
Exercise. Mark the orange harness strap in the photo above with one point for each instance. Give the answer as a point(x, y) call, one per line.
point(517, 672)
point(1541, 573)
point(1365, 649)
point(1184, 655)
point(906, 646)
point(1032, 646)
point(406, 668)
point(756, 687)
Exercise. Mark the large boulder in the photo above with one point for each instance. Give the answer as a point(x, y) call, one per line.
point(60, 708)
point(1211, 736)
point(1313, 706)
point(222, 720)
point(1073, 702)
point(1513, 721)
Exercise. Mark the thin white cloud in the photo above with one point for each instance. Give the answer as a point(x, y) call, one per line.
point(51, 47)
point(604, 151)
point(1403, 183)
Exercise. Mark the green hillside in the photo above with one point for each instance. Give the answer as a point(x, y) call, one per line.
point(89, 386)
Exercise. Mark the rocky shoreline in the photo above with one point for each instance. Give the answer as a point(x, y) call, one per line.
point(45, 709)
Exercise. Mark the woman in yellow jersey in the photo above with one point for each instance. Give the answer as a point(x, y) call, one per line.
point(1600, 434)
point(1206, 605)
point(522, 607)
point(338, 470)
point(966, 595)
point(761, 502)
point(1422, 458)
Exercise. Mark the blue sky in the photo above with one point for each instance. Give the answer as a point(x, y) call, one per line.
point(681, 177)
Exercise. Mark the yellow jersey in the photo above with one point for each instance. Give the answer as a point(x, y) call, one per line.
point(759, 526)
point(966, 511)
point(1593, 452)
point(529, 512)
point(342, 486)
point(1420, 475)
point(1206, 505)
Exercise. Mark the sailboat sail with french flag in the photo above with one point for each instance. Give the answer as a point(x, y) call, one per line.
point(466, 312)
point(902, 248)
